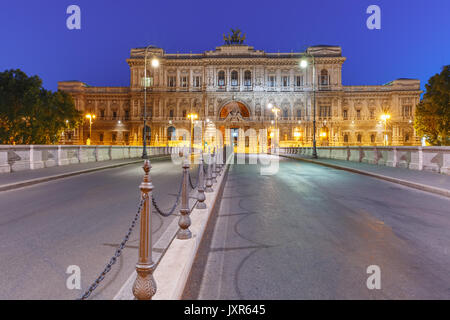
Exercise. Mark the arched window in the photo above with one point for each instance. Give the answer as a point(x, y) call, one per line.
point(359, 138)
point(299, 113)
point(285, 113)
point(372, 138)
point(247, 78)
point(171, 133)
point(234, 78)
point(346, 138)
point(221, 78)
point(323, 77)
point(171, 113)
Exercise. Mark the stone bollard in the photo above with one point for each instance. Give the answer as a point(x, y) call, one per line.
point(144, 287)
point(185, 221)
point(209, 184)
point(214, 169)
point(201, 186)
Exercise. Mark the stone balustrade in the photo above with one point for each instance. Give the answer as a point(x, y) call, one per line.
point(29, 157)
point(436, 159)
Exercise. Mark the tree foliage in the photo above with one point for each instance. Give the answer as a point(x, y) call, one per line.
point(432, 119)
point(30, 114)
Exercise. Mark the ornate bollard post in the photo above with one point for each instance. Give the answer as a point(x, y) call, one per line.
point(214, 170)
point(209, 184)
point(144, 287)
point(201, 186)
point(185, 221)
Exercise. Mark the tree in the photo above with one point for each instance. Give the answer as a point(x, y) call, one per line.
point(432, 119)
point(30, 114)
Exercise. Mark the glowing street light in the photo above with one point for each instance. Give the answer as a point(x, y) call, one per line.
point(147, 83)
point(385, 117)
point(192, 117)
point(304, 64)
point(275, 110)
point(91, 118)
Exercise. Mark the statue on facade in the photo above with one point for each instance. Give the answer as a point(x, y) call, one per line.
point(236, 37)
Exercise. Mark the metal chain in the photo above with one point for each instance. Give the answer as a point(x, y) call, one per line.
point(172, 210)
point(116, 255)
point(196, 182)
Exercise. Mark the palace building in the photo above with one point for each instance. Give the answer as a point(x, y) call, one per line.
point(232, 86)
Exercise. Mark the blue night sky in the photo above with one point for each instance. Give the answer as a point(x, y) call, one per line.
point(414, 40)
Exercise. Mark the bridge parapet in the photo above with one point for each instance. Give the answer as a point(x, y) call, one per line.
point(30, 157)
point(435, 159)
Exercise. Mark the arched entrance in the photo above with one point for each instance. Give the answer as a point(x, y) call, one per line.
point(235, 114)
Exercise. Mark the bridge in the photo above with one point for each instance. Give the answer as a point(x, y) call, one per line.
point(305, 229)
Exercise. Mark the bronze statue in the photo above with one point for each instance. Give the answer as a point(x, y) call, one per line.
point(236, 37)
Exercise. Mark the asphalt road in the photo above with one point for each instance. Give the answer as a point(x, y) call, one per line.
point(76, 221)
point(311, 232)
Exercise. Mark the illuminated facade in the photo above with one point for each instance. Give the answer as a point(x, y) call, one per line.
point(232, 86)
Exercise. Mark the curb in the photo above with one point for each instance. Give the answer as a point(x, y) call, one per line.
point(31, 182)
point(419, 186)
point(174, 266)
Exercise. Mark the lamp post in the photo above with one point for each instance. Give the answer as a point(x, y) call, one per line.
point(303, 65)
point(91, 118)
point(385, 117)
point(275, 111)
point(146, 83)
point(192, 117)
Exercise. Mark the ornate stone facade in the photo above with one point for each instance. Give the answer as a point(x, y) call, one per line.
point(232, 86)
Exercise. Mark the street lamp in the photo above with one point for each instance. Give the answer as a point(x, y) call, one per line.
point(304, 65)
point(91, 118)
point(192, 117)
point(146, 83)
point(385, 117)
point(275, 110)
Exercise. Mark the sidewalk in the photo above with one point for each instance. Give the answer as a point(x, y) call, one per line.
point(14, 180)
point(422, 180)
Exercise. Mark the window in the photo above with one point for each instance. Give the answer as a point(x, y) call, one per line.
point(345, 114)
point(127, 137)
point(372, 138)
point(285, 113)
point(172, 81)
point(184, 113)
point(171, 113)
point(407, 111)
point(299, 113)
point(299, 81)
point(184, 81)
point(127, 114)
point(221, 78)
point(114, 137)
point(101, 137)
point(359, 138)
point(325, 111)
point(372, 114)
point(407, 137)
point(323, 80)
point(358, 114)
point(346, 138)
point(247, 78)
point(102, 113)
point(234, 78)
point(285, 81)
point(114, 115)
point(197, 81)
point(272, 81)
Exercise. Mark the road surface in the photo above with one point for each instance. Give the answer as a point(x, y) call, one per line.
point(311, 232)
point(76, 221)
